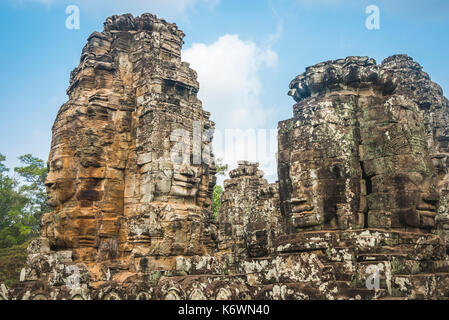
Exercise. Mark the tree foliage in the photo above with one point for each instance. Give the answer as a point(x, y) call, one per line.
point(216, 204)
point(12, 260)
point(23, 200)
point(218, 190)
point(221, 167)
point(33, 172)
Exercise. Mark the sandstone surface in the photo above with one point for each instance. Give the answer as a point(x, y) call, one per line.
point(362, 194)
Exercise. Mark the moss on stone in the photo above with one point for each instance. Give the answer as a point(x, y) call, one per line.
point(397, 266)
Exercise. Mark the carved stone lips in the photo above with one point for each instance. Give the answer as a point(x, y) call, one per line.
point(427, 211)
point(301, 205)
point(427, 208)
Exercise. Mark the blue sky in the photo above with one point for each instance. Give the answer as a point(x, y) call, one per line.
point(245, 52)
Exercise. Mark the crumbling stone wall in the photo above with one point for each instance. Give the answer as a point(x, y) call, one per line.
point(249, 218)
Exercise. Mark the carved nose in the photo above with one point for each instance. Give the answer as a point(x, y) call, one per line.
point(429, 202)
point(49, 184)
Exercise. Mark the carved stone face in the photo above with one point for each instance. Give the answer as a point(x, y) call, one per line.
point(174, 181)
point(60, 182)
point(185, 181)
point(110, 164)
point(382, 134)
point(322, 166)
point(309, 204)
point(401, 177)
point(358, 159)
point(318, 202)
point(416, 200)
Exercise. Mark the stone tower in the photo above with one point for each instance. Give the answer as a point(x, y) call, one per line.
point(366, 148)
point(130, 169)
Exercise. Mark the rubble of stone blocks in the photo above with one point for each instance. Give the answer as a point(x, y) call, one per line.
point(409, 265)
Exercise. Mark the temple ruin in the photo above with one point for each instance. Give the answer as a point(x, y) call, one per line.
point(363, 184)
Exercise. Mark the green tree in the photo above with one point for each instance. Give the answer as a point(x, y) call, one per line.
point(33, 173)
point(12, 230)
point(22, 200)
point(6, 189)
point(221, 167)
point(216, 196)
point(218, 190)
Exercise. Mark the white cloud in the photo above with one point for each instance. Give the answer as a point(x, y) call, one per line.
point(228, 72)
point(230, 88)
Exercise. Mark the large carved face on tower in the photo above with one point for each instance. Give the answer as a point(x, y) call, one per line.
point(185, 181)
point(358, 152)
point(60, 182)
point(173, 173)
point(402, 180)
point(325, 184)
point(112, 183)
point(75, 178)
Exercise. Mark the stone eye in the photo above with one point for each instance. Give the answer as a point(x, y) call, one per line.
point(416, 178)
point(57, 165)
